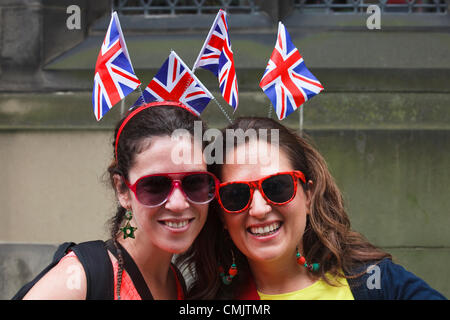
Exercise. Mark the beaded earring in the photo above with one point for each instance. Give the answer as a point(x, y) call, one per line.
point(313, 267)
point(232, 272)
point(128, 230)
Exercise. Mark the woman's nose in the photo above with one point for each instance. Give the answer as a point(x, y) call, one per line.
point(259, 207)
point(177, 201)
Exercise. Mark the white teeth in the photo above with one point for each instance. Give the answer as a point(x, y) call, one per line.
point(179, 224)
point(260, 231)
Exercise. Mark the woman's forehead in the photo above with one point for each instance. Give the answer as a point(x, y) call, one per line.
point(260, 160)
point(165, 155)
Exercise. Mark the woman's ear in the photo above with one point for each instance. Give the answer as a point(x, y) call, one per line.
point(308, 195)
point(122, 191)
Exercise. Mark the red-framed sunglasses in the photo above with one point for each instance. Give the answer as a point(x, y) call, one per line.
point(153, 190)
point(277, 189)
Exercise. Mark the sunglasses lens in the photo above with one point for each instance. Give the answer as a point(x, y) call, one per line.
point(234, 197)
point(279, 188)
point(152, 191)
point(199, 187)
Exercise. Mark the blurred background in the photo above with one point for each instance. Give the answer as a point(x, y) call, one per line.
point(382, 123)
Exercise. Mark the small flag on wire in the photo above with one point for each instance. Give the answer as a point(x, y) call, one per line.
point(114, 75)
point(286, 81)
point(176, 82)
point(217, 57)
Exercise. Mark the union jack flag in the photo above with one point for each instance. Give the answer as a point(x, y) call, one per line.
point(287, 82)
point(217, 57)
point(114, 75)
point(175, 82)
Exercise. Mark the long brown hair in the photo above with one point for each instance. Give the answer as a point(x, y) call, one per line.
point(328, 238)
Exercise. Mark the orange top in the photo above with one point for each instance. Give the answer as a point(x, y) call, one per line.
point(127, 288)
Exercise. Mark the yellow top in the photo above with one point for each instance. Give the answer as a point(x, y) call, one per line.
point(319, 290)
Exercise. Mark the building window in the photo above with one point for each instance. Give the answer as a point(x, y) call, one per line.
point(360, 6)
point(174, 7)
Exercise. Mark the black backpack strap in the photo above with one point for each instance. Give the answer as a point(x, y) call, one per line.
point(95, 260)
point(60, 252)
point(98, 268)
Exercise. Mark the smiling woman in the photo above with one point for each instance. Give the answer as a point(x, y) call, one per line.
point(162, 207)
point(283, 228)
point(158, 192)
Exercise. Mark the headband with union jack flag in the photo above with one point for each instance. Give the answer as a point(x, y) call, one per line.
point(175, 82)
point(217, 57)
point(114, 75)
point(286, 81)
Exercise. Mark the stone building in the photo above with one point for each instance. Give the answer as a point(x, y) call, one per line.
point(382, 123)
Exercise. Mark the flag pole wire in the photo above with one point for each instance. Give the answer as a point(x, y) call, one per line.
point(142, 94)
point(300, 116)
point(122, 107)
point(141, 97)
point(223, 110)
point(269, 114)
point(218, 104)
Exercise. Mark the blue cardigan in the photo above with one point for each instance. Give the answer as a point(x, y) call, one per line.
point(390, 281)
point(384, 280)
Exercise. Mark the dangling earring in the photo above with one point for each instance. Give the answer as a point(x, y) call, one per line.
point(302, 261)
point(128, 230)
point(232, 272)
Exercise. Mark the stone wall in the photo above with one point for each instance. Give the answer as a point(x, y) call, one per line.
point(33, 32)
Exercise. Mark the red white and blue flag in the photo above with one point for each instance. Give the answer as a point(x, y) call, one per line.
point(114, 75)
point(175, 82)
point(287, 82)
point(217, 57)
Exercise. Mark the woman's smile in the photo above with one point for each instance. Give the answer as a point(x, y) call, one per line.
point(177, 225)
point(265, 231)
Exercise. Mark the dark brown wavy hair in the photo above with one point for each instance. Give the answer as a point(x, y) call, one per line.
point(328, 238)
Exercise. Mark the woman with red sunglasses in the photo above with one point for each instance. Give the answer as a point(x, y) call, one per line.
point(162, 207)
point(283, 232)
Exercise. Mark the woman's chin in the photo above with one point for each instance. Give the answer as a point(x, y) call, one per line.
point(175, 247)
point(264, 255)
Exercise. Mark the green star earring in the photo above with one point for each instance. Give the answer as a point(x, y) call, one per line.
point(128, 230)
